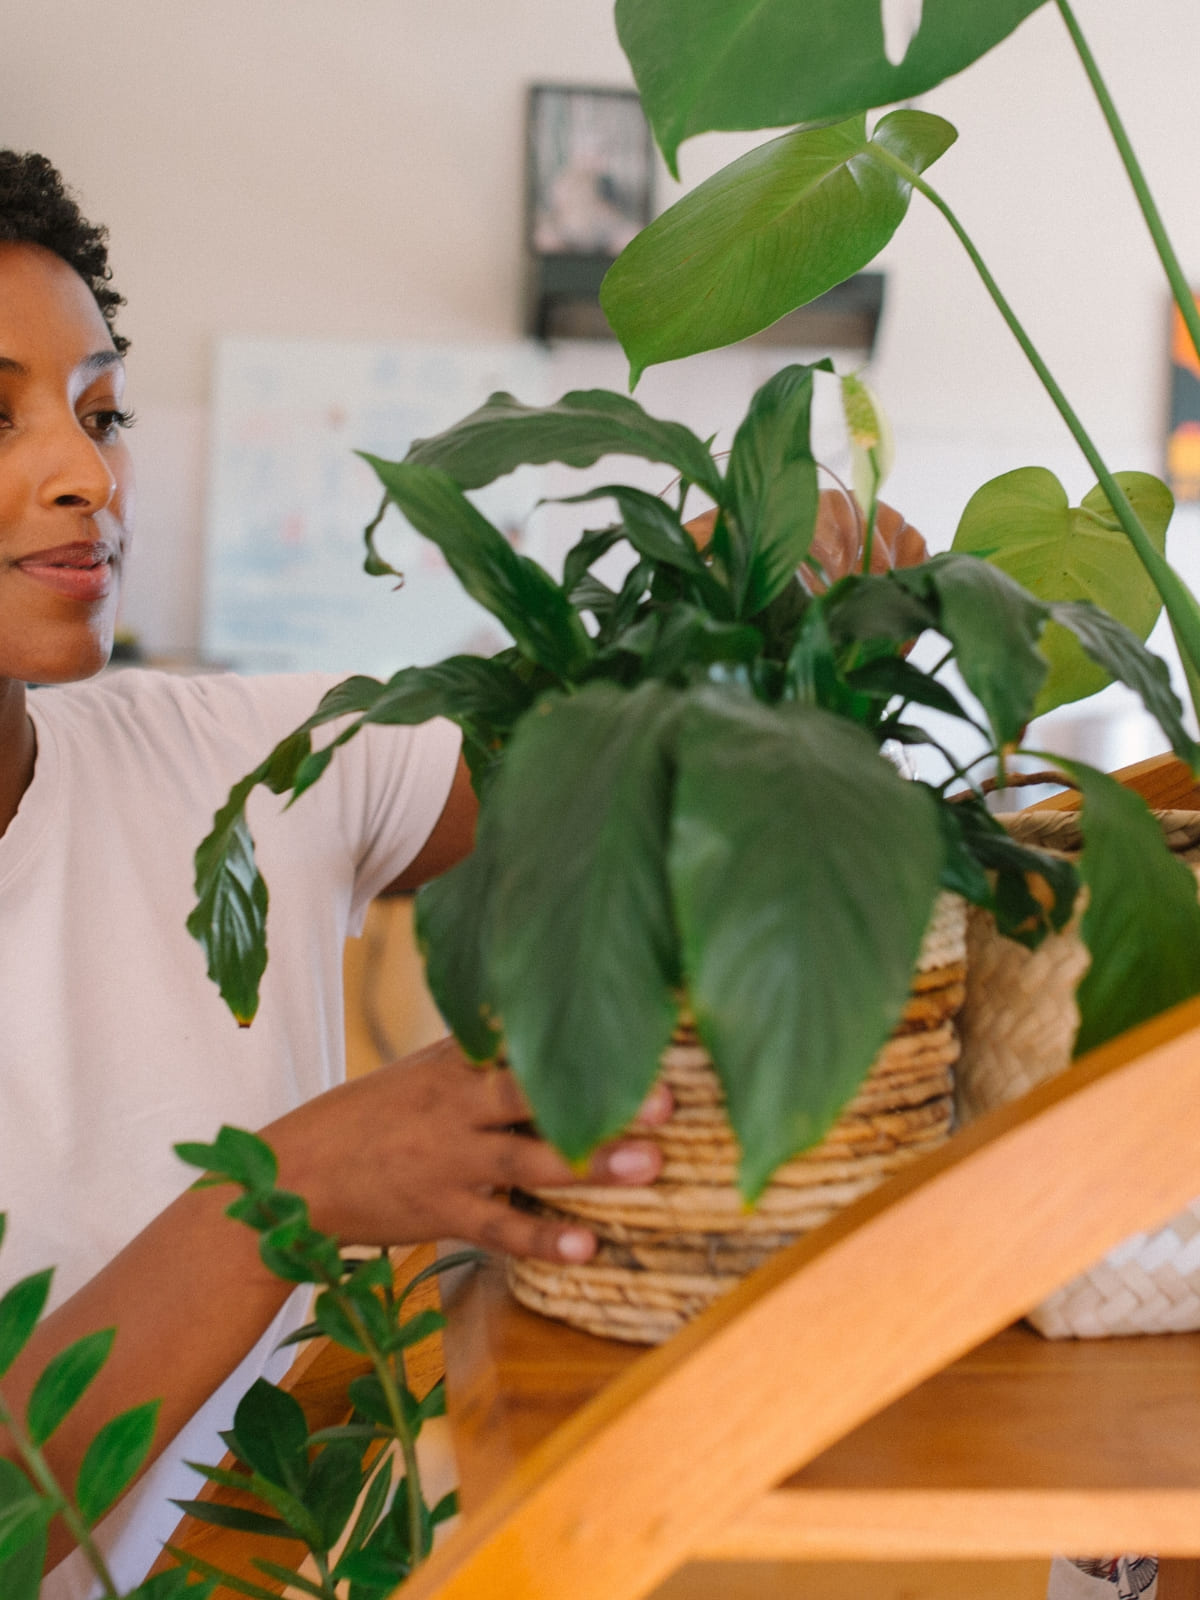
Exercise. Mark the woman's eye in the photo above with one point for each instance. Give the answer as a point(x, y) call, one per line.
point(104, 424)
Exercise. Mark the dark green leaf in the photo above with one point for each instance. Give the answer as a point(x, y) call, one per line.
point(1142, 920)
point(962, 873)
point(772, 479)
point(681, 642)
point(862, 609)
point(24, 1513)
point(174, 1584)
point(419, 1326)
point(113, 1459)
point(994, 626)
point(703, 65)
point(21, 1572)
point(235, 1154)
point(239, 1518)
point(1123, 656)
point(582, 556)
point(889, 677)
point(272, 1435)
point(20, 1309)
point(655, 532)
point(1024, 523)
point(300, 1253)
point(230, 915)
point(804, 871)
point(578, 430)
point(368, 1397)
point(770, 232)
point(335, 1483)
point(446, 1508)
point(1018, 871)
point(519, 593)
point(581, 899)
point(452, 919)
point(446, 1263)
point(206, 1569)
point(293, 1580)
point(333, 1322)
point(63, 1382)
point(371, 1509)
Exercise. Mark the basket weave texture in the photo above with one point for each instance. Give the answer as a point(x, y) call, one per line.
point(669, 1250)
point(1018, 1027)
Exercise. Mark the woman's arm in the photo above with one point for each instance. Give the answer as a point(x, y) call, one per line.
point(411, 1152)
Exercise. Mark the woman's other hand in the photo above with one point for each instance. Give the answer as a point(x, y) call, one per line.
point(425, 1147)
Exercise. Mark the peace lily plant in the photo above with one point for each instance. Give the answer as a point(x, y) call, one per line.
point(683, 801)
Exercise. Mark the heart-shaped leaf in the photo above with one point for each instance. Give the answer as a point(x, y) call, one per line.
point(703, 65)
point(769, 232)
point(1024, 523)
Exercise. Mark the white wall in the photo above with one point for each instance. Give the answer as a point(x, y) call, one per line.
point(354, 167)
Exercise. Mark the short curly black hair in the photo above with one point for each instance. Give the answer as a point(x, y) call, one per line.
point(37, 208)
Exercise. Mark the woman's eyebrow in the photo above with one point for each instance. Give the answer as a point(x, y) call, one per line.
point(97, 362)
point(7, 364)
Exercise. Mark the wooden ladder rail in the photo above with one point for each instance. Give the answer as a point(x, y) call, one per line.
point(681, 1455)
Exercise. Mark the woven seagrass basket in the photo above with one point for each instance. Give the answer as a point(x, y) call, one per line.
point(1018, 1026)
point(669, 1250)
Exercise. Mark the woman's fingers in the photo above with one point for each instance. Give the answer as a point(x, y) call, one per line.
point(496, 1225)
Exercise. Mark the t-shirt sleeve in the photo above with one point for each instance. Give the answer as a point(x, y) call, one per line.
point(382, 794)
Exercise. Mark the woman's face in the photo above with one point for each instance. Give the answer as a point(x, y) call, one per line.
point(66, 480)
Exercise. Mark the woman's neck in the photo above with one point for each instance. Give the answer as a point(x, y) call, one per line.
point(17, 749)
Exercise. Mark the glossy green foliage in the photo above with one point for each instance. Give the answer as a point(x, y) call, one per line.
point(1024, 523)
point(798, 960)
point(703, 65)
point(328, 1489)
point(767, 233)
point(1145, 948)
point(692, 811)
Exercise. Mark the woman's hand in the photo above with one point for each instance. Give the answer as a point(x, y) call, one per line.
point(418, 1150)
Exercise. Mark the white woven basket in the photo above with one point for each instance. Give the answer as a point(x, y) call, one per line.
point(1018, 1026)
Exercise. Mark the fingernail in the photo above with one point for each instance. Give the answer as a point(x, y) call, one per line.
point(658, 1104)
point(633, 1161)
point(576, 1244)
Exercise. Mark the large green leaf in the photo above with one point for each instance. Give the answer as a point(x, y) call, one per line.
point(804, 870)
point(1024, 523)
point(1142, 921)
point(703, 65)
point(578, 430)
point(113, 1459)
point(519, 593)
point(769, 232)
point(772, 480)
point(451, 926)
point(1123, 656)
point(63, 1382)
point(994, 626)
point(583, 954)
point(271, 1435)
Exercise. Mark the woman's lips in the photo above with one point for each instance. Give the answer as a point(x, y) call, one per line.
point(77, 571)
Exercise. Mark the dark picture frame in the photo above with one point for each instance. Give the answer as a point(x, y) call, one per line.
point(590, 170)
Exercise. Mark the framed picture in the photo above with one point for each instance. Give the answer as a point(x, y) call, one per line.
point(591, 165)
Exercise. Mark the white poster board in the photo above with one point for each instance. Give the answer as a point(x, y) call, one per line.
point(289, 498)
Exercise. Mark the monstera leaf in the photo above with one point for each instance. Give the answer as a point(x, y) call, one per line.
point(703, 65)
point(768, 233)
point(1024, 523)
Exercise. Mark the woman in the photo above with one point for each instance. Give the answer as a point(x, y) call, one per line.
point(114, 1043)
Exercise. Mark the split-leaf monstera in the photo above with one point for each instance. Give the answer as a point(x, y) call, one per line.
point(802, 212)
point(683, 799)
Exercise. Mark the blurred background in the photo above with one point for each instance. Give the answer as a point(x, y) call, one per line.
point(318, 216)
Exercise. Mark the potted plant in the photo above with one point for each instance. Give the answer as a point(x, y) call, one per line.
point(684, 808)
point(683, 801)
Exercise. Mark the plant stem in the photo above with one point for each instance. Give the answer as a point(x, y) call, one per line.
point(39, 1470)
point(1180, 288)
point(404, 1435)
point(1178, 599)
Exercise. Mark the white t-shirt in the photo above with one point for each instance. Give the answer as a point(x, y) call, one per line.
point(114, 1044)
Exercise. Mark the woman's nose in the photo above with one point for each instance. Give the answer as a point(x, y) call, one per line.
point(77, 472)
